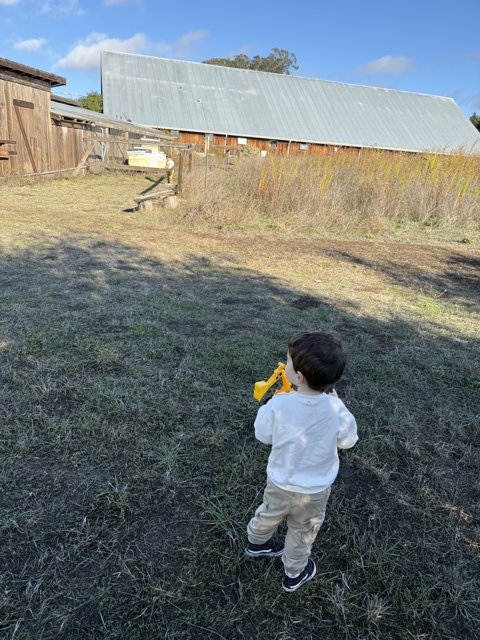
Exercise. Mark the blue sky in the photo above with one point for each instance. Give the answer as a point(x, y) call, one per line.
point(423, 46)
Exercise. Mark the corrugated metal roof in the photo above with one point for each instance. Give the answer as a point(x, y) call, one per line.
point(191, 96)
point(100, 119)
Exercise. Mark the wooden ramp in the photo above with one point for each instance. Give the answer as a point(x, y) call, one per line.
point(166, 198)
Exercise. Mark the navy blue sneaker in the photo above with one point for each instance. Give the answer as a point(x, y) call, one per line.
point(292, 584)
point(271, 548)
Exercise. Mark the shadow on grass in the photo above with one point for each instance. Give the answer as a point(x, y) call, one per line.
point(456, 276)
point(154, 183)
point(129, 468)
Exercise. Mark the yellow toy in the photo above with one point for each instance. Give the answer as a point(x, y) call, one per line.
point(261, 388)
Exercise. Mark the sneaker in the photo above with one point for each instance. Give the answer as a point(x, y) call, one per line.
point(292, 584)
point(271, 548)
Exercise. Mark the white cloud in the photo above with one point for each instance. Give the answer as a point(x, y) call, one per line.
point(9, 2)
point(86, 54)
point(59, 7)
point(34, 44)
point(182, 48)
point(111, 2)
point(186, 42)
point(395, 65)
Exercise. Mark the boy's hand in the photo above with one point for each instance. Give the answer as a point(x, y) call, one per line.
point(333, 393)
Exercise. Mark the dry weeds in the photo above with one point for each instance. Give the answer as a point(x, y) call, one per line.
point(371, 192)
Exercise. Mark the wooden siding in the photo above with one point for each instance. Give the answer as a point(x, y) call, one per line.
point(279, 148)
point(33, 140)
point(41, 144)
point(25, 120)
point(67, 146)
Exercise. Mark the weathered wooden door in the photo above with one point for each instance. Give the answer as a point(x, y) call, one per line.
point(25, 123)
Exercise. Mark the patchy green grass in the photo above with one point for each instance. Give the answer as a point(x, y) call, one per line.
point(128, 468)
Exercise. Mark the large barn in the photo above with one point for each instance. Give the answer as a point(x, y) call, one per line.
point(278, 112)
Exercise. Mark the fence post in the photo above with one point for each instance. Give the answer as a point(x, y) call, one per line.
point(180, 173)
point(207, 145)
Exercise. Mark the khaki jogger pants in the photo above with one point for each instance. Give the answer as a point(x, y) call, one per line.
point(305, 514)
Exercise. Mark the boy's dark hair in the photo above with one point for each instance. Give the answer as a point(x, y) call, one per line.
point(319, 356)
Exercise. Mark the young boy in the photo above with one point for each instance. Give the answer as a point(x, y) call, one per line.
point(305, 428)
point(170, 166)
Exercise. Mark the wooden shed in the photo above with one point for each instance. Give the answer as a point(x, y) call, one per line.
point(80, 133)
point(43, 133)
point(25, 130)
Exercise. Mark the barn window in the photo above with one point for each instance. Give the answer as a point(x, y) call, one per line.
point(273, 143)
point(174, 132)
point(241, 141)
point(304, 146)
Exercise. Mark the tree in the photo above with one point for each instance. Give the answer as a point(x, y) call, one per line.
point(279, 61)
point(475, 120)
point(92, 101)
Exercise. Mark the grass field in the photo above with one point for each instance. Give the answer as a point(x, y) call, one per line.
point(128, 468)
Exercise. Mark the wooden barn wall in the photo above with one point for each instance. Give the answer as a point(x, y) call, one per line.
point(67, 145)
point(42, 143)
point(281, 147)
point(27, 123)
point(70, 140)
point(116, 153)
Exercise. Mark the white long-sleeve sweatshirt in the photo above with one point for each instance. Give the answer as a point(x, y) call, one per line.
point(305, 432)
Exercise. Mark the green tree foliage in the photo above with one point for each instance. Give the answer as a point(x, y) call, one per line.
point(92, 101)
point(475, 120)
point(279, 61)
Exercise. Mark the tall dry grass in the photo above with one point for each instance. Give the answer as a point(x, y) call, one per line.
point(368, 191)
